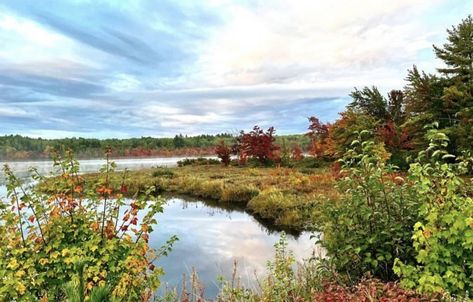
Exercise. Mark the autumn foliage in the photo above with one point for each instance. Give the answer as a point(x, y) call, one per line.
point(77, 234)
point(258, 144)
point(223, 152)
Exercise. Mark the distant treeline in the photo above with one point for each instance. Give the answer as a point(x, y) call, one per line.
point(17, 147)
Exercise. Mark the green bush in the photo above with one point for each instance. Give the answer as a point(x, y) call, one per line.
point(443, 236)
point(201, 161)
point(163, 172)
point(370, 225)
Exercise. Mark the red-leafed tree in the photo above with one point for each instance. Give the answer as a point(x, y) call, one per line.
point(258, 144)
point(223, 152)
point(319, 134)
point(394, 137)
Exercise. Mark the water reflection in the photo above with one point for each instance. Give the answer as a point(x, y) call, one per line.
point(211, 239)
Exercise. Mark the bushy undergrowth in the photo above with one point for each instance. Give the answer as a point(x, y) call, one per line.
point(417, 226)
point(371, 224)
point(443, 236)
point(74, 239)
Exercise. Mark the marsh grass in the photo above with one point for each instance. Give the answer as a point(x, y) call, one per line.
point(283, 196)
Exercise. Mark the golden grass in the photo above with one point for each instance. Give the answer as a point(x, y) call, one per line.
point(284, 196)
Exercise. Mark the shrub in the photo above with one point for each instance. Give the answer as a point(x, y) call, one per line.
point(257, 144)
point(224, 153)
point(163, 172)
point(370, 225)
point(49, 240)
point(201, 161)
point(443, 236)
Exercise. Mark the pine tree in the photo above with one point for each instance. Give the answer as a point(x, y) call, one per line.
point(457, 54)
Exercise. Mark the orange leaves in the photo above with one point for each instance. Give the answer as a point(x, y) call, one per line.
point(95, 226)
point(110, 229)
point(32, 218)
point(55, 212)
point(104, 191)
point(78, 189)
point(296, 153)
point(126, 217)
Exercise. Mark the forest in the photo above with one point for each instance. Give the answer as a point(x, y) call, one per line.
point(17, 147)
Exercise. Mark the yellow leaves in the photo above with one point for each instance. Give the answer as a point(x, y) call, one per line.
point(13, 264)
point(93, 247)
point(43, 261)
point(55, 255)
point(20, 273)
point(65, 252)
point(20, 288)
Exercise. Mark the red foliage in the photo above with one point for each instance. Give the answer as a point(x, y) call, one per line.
point(393, 137)
point(297, 153)
point(336, 170)
point(317, 129)
point(258, 144)
point(369, 290)
point(223, 152)
point(319, 134)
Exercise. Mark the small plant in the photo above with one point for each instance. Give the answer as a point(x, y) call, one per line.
point(163, 172)
point(224, 153)
point(49, 237)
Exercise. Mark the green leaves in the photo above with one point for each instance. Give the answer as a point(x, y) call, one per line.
point(370, 226)
point(442, 238)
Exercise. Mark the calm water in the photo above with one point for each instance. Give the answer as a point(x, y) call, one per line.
point(210, 238)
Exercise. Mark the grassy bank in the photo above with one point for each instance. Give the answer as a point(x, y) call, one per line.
point(285, 196)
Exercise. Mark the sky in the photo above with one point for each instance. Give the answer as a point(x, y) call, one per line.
point(102, 69)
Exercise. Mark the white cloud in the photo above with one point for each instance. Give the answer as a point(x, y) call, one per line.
point(314, 42)
point(6, 111)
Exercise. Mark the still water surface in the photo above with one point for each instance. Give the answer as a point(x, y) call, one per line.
point(211, 238)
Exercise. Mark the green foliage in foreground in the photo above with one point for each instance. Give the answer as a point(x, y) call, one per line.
point(443, 237)
point(418, 226)
point(76, 234)
point(370, 225)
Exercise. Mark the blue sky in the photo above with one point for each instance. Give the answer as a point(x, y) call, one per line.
point(101, 69)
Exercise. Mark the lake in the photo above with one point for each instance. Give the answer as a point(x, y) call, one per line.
point(211, 238)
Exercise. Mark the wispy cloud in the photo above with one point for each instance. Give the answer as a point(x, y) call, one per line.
point(115, 68)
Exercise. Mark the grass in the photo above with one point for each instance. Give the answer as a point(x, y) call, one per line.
point(286, 197)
